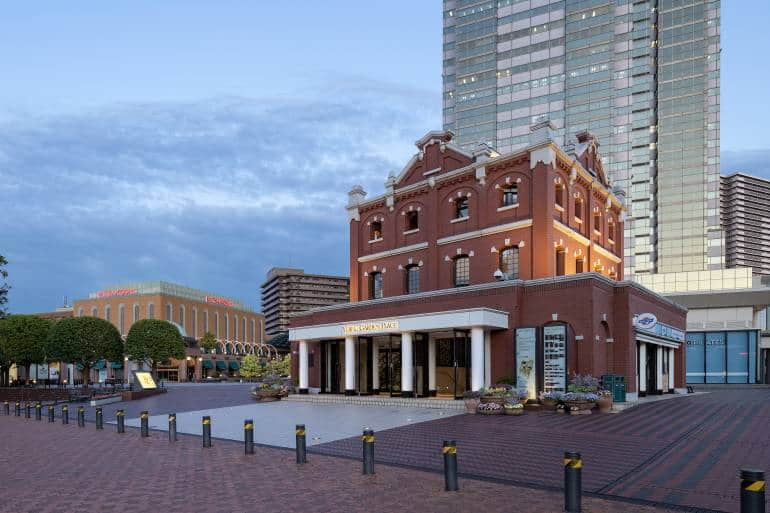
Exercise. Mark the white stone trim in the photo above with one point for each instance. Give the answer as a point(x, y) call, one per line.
point(572, 233)
point(459, 219)
point(466, 318)
point(485, 231)
point(650, 339)
point(606, 254)
point(409, 232)
point(392, 252)
point(507, 207)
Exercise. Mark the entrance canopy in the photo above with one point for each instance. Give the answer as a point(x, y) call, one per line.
point(452, 319)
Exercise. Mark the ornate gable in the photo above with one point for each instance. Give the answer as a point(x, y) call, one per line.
point(587, 153)
point(436, 155)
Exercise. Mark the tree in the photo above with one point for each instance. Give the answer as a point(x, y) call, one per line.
point(250, 367)
point(208, 342)
point(22, 341)
point(84, 341)
point(4, 287)
point(155, 341)
point(281, 365)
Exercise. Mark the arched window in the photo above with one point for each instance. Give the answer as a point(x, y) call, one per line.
point(579, 208)
point(235, 328)
point(151, 311)
point(509, 262)
point(412, 279)
point(205, 321)
point(510, 195)
point(194, 322)
point(560, 194)
point(412, 220)
point(80, 312)
point(597, 221)
point(122, 319)
point(181, 316)
point(227, 327)
point(375, 285)
point(136, 313)
point(462, 271)
point(168, 312)
point(375, 230)
point(107, 312)
point(611, 231)
point(461, 208)
point(93, 311)
point(579, 265)
point(244, 333)
point(560, 255)
point(216, 324)
point(253, 331)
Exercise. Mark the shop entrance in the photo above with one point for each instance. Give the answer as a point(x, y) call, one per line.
point(332, 370)
point(390, 366)
point(453, 364)
point(766, 366)
point(168, 373)
point(651, 373)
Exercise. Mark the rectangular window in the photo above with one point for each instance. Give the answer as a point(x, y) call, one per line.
point(737, 357)
point(136, 313)
point(375, 286)
point(510, 195)
point(695, 358)
point(560, 262)
point(412, 221)
point(461, 271)
point(412, 279)
point(461, 208)
point(579, 265)
point(715, 358)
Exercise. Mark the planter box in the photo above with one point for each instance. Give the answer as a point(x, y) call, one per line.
point(485, 399)
point(106, 400)
point(514, 411)
point(581, 405)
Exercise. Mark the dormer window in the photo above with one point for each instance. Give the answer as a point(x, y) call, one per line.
point(461, 208)
point(375, 231)
point(510, 195)
point(412, 220)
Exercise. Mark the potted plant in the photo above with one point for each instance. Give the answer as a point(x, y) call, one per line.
point(265, 392)
point(523, 396)
point(580, 400)
point(490, 409)
point(513, 408)
point(550, 400)
point(496, 394)
point(471, 401)
point(605, 401)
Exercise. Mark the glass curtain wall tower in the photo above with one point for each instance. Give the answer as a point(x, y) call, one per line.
point(642, 76)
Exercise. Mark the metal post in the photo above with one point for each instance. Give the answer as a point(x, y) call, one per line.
point(28, 410)
point(752, 491)
point(145, 424)
point(81, 417)
point(65, 414)
point(248, 436)
point(573, 482)
point(6, 408)
point(50, 413)
point(38, 410)
point(172, 427)
point(301, 444)
point(368, 450)
point(450, 466)
point(17, 409)
point(206, 420)
point(99, 418)
point(120, 416)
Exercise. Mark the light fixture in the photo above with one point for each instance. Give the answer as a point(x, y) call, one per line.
point(498, 275)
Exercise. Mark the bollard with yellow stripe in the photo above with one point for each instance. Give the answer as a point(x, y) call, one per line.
point(206, 421)
point(120, 417)
point(449, 450)
point(172, 427)
point(368, 451)
point(573, 482)
point(144, 424)
point(248, 436)
point(752, 491)
point(301, 444)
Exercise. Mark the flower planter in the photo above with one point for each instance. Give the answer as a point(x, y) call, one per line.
point(550, 404)
point(605, 404)
point(486, 399)
point(580, 405)
point(471, 405)
point(490, 412)
point(514, 411)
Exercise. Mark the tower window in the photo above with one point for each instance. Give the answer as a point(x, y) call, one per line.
point(412, 220)
point(509, 263)
point(461, 208)
point(375, 231)
point(510, 195)
point(375, 285)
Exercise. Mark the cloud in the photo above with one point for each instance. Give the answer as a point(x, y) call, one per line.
point(753, 162)
point(209, 194)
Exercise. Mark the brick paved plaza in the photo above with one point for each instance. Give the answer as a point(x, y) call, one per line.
point(683, 451)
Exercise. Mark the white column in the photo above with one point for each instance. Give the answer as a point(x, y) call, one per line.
point(487, 359)
point(303, 367)
point(659, 368)
point(375, 364)
point(642, 378)
point(671, 368)
point(431, 366)
point(350, 365)
point(477, 359)
point(407, 366)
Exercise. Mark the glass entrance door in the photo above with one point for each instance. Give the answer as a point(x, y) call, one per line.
point(461, 348)
point(390, 367)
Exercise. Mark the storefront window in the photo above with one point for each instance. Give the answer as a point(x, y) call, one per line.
point(737, 357)
point(722, 357)
point(696, 362)
point(715, 357)
point(752, 357)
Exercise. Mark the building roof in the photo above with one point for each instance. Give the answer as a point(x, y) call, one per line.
point(758, 296)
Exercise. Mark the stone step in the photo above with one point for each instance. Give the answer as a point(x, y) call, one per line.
point(377, 401)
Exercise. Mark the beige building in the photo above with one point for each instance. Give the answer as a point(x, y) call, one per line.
point(288, 290)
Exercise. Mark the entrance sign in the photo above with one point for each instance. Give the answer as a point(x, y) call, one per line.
point(526, 361)
point(646, 321)
point(144, 379)
point(369, 327)
point(53, 373)
point(555, 358)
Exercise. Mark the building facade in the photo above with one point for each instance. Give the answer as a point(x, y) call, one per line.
point(746, 221)
point(238, 329)
point(642, 76)
point(475, 266)
point(287, 291)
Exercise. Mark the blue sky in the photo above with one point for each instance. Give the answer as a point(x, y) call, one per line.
point(204, 142)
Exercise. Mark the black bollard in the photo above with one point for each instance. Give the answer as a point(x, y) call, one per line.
point(65, 414)
point(450, 466)
point(368, 448)
point(301, 444)
point(28, 410)
point(248, 436)
point(38, 411)
point(50, 413)
point(172, 427)
point(752, 491)
point(573, 482)
point(206, 431)
point(17, 409)
point(145, 424)
point(6, 408)
point(81, 417)
point(99, 418)
point(121, 418)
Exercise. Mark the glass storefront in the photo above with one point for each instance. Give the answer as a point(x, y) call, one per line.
point(722, 357)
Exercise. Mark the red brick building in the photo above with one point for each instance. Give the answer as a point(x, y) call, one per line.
point(475, 267)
